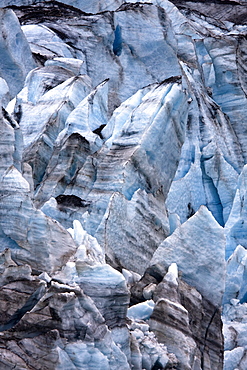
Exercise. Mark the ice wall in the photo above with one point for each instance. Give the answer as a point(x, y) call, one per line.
point(122, 184)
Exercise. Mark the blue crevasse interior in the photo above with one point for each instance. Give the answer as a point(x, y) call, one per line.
point(117, 44)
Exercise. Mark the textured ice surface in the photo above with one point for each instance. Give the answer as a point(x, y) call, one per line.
point(141, 311)
point(4, 92)
point(44, 43)
point(78, 139)
point(16, 57)
point(99, 41)
point(37, 236)
point(235, 227)
point(131, 132)
point(198, 265)
point(236, 276)
point(235, 326)
point(118, 235)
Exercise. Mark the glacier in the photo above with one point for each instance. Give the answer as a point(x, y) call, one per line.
point(122, 185)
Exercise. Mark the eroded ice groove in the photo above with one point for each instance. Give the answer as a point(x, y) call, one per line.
point(220, 58)
point(205, 158)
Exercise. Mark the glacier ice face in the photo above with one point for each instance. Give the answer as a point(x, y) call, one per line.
point(208, 139)
point(99, 176)
point(45, 44)
point(233, 358)
point(91, 6)
point(234, 320)
point(141, 311)
point(57, 102)
point(147, 351)
point(181, 316)
point(130, 163)
point(133, 135)
point(4, 91)
point(197, 265)
point(226, 79)
point(138, 50)
point(179, 342)
point(236, 276)
point(70, 310)
point(66, 92)
point(16, 55)
point(119, 238)
point(7, 144)
point(34, 236)
point(102, 283)
point(235, 227)
point(186, 193)
point(79, 138)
